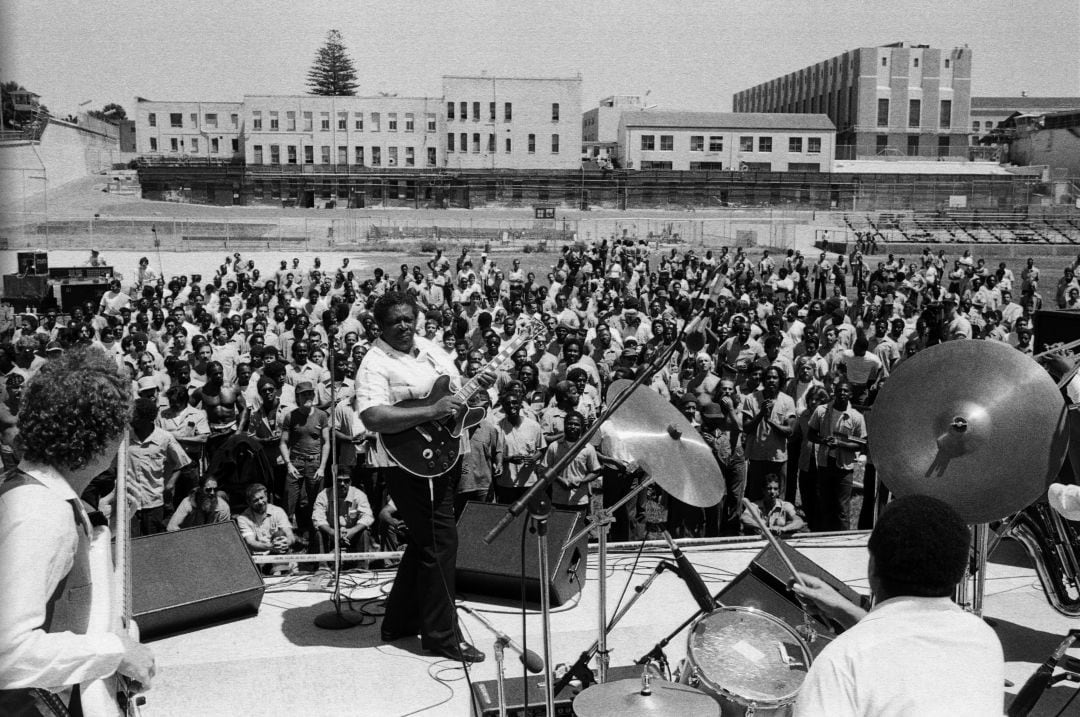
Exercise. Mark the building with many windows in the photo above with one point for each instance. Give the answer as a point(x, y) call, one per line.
point(897, 99)
point(726, 141)
point(205, 130)
point(512, 122)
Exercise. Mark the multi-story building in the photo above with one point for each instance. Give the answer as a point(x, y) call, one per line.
point(764, 142)
point(989, 112)
point(897, 99)
point(211, 130)
point(512, 122)
point(600, 125)
point(383, 131)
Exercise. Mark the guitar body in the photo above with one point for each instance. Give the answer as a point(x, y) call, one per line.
point(103, 698)
point(430, 449)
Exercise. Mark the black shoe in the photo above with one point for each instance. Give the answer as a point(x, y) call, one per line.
point(390, 636)
point(463, 652)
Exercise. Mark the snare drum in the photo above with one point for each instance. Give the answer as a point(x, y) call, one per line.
point(749, 661)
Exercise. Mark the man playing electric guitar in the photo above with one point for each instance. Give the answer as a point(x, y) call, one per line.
point(401, 366)
point(72, 417)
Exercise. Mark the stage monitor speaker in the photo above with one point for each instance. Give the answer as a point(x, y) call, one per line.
point(764, 585)
point(495, 570)
point(192, 578)
point(72, 295)
point(27, 287)
point(1055, 327)
point(33, 262)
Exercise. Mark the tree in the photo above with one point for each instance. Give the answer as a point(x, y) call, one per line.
point(111, 112)
point(333, 72)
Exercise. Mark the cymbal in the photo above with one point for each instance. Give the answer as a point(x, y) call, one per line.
point(667, 446)
point(977, 424)
point(623, 698)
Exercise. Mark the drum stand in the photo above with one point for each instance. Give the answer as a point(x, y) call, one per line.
point(976, 572)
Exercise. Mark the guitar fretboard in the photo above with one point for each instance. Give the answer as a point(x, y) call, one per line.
point(505, 352)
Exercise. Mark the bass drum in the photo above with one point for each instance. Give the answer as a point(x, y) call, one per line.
point(749, 661)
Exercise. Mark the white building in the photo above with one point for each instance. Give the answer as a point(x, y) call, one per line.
point(189, 129)
point(767, 142)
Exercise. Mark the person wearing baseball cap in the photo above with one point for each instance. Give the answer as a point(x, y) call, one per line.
point(305, 448)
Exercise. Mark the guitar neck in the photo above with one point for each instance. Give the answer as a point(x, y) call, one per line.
point(121, 534)
point(473, 384)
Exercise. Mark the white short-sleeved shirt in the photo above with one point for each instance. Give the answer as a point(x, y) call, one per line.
point(908, 656)
point(387, 376)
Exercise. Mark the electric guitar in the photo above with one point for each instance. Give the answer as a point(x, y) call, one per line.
point(431, 448)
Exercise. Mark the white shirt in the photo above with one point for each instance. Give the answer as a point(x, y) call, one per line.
point(908, 656)
point(38, 541)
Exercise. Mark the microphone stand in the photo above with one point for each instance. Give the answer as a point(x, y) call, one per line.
point(335, 620)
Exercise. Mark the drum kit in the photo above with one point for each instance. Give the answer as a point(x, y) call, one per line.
point(976, 424)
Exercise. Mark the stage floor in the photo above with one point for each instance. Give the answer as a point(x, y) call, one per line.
point(280, 663)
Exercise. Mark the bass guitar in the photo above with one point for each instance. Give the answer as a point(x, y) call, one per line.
point(430, 449)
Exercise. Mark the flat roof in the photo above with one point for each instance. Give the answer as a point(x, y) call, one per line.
point(914, 166)
point(1025, 103)
point(736, 120)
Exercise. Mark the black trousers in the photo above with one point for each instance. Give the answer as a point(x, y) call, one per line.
point(422, 598)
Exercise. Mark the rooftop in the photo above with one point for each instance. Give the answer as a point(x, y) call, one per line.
point(735, 120)
point(1024, 102)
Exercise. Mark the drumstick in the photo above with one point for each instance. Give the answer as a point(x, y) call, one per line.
point(773, 540)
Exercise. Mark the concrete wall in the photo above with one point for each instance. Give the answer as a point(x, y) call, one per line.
point(1055, 148)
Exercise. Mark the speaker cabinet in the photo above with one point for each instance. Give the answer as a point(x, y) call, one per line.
point(495, 570)
point(192, 578)
point(33, 262)
point(1055, 327)
point(77, 294)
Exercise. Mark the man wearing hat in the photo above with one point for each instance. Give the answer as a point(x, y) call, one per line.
point(305, 448)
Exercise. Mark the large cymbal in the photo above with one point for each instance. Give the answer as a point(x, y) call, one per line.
point(977, 424)
point(624, 698)
point(667, 446)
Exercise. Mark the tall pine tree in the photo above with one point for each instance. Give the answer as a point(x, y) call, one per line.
point(332, 73)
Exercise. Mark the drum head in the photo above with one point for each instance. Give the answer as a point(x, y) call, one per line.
point(749, 656)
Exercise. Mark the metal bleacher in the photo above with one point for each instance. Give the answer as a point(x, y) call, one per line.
point(967, 226)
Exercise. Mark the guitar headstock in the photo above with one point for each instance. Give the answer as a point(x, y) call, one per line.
point(534, 328)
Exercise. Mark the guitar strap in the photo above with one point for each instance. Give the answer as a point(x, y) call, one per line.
point(67, 610)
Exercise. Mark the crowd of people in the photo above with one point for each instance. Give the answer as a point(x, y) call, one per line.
point(249, 398)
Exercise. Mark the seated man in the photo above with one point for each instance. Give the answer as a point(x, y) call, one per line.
point(916, 652)
point(354, 516)
point(778, 515)
point(264, 527)
point(202, 506)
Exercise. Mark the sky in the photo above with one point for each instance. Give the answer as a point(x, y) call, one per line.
point(680, 55)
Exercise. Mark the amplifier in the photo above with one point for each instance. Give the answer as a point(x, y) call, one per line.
point(80, 272)
point(33, 262)
point(27, 287)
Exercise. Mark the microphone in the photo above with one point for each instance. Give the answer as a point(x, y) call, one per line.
point(1033, 689)
point(691, 577)
point(533, 663)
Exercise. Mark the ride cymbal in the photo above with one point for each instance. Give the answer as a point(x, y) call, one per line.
point(976, 424)
point(627, 698)
point(667, 446)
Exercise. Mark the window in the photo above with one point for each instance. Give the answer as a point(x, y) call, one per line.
point(358, 121)
point(391, 121)
point(667, 143)
point(946, 114)
point(376, 122)
point(884, 62)
point(309, 155)
point(194, 119)
point(410, 157)
point(274, 125)
point(449, 141)
point(943, 146)
point(746, 144)
point(324, 154)
point(324, 121)
point(491, 111)
point(914, 113)
point(430, 121)
point(256, 120)
point(343, 121)
point(291, 152)
point(476, 143)
point(813, 145)
point(881, 143)
point(916, 61)
point(554, 111)
point(475, 111)
point(257, 154)
point(275, 154)
point(697, 143)
point(410, 122)
point(176, 119)
point(290, 121)
point(532, 144)
point(804, 167)
point(235, 120)
point(463, 110)
point(153, 144)
point(648, 142)
point(449, 110)
point(883, 112)
point(913, 145)
point(975, 126)
point(174, 144)
point(946, 63)
point(463, 142)
point(194, 145)
point(508, 112)
point(342, 155)
point(211, 120)
point(308, 122)
point(358, 156)
point(391, 159)
point(716, 143)
point(554, 144)
point(431, 157)
point(152, 118)
point(509, 146)
point(704, 166)
point(491, 144)
point(764, 144)
point(794, 144)
point(376, 156)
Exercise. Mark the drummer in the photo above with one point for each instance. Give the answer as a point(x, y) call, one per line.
point(916, 652)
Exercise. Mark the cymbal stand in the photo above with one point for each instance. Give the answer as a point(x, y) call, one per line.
point(539, 512)
point(500, 677)
point(975, 572)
